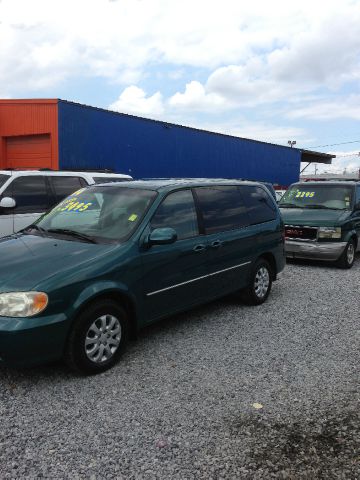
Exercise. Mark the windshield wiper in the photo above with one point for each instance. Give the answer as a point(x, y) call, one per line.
point(288, 205)
point(73, 233)
point(319, 206)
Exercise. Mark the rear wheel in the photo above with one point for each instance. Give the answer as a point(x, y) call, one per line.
point(348, 256)
point(260, 284)
point(98, 338)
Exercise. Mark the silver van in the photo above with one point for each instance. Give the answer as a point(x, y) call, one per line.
point(26, 194)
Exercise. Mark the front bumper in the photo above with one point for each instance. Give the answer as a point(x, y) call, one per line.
point(31, 341)
point(314, 250)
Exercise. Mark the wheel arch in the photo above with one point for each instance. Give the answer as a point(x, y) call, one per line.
point(356, 240)
point(270, 258)
point(118, 296)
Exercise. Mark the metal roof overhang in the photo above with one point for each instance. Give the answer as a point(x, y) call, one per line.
point(308, 156)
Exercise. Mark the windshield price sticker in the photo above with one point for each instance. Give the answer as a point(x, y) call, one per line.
point(132, 217)
point(71, 204)
point(78, 191)
point(304, 194)
point(76, 207)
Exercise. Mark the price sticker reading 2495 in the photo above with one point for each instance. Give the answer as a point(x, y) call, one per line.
point(304, 194)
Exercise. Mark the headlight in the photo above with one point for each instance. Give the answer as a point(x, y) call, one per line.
point(329, 232)
point(22, 304)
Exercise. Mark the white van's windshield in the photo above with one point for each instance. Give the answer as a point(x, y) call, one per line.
point(3, 179)
point(97, 214)
point(334, 197)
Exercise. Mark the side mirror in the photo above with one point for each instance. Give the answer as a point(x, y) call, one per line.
point(162, 236)
point(7, 202)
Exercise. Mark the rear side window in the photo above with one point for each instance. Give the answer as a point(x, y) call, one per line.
point(64, 186)
point(3, 179)
point(30, 194)
point(260, 205)
point(222, 208)
point(178, 212)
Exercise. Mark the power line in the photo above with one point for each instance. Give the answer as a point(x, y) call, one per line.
point(334, 144)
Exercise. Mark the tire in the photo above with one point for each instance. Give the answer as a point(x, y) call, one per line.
point(98, 338)
point(260, 284)
point(348, 256)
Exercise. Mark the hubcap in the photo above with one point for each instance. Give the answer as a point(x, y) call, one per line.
point(262, 282)
point(350, 253)
point(103, 338)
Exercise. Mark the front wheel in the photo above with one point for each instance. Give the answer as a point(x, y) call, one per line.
point(260, 284)
point(348, 256)
point(98, 338)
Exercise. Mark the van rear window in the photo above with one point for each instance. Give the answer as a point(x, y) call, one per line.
point(260, 205)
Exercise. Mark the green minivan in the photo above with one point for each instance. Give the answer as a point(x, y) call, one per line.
point(322, 221)
point(113, 258)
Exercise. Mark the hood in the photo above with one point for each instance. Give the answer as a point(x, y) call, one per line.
point(314, 217)
point(27, 260)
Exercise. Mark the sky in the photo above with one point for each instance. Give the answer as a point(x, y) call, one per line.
point(271, 71)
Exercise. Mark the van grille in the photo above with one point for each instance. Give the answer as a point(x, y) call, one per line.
point(300, 233)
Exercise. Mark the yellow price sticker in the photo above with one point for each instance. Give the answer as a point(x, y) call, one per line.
point(304, 194)
point(78, 191)
point(132, 217)
point(72, 205)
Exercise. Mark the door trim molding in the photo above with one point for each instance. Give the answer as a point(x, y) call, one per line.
point(196, 279)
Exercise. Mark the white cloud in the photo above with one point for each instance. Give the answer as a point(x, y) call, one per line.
point(346, 160)
point(339, 108)
point(196, 98)
point(258, 53)
point(44, 43)
point(265, 132)
point(134, 100)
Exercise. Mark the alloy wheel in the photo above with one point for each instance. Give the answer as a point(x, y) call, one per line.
point(350, 253)
point(103, 339)
point(262, 282)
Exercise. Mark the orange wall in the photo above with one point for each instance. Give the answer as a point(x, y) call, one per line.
point(29, 117)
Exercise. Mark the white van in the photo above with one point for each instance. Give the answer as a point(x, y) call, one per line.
point(26, 194)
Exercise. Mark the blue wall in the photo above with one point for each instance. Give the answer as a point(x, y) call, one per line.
point(91, 138)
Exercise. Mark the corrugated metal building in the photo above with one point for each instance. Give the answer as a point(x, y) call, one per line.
point(59, 134)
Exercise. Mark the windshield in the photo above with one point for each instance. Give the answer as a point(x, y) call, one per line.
point(98, 213)
point(335, 197)
point(3, 179)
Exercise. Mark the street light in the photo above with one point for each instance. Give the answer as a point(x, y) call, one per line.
point(291, 143)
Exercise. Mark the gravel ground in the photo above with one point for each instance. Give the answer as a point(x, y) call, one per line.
point(225, 391)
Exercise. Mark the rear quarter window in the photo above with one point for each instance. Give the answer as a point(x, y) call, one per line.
point(259, 204)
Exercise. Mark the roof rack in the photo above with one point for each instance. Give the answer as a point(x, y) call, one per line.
point(95, 170)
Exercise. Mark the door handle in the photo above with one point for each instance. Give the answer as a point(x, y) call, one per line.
point(216, 244)
point(199, 248)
